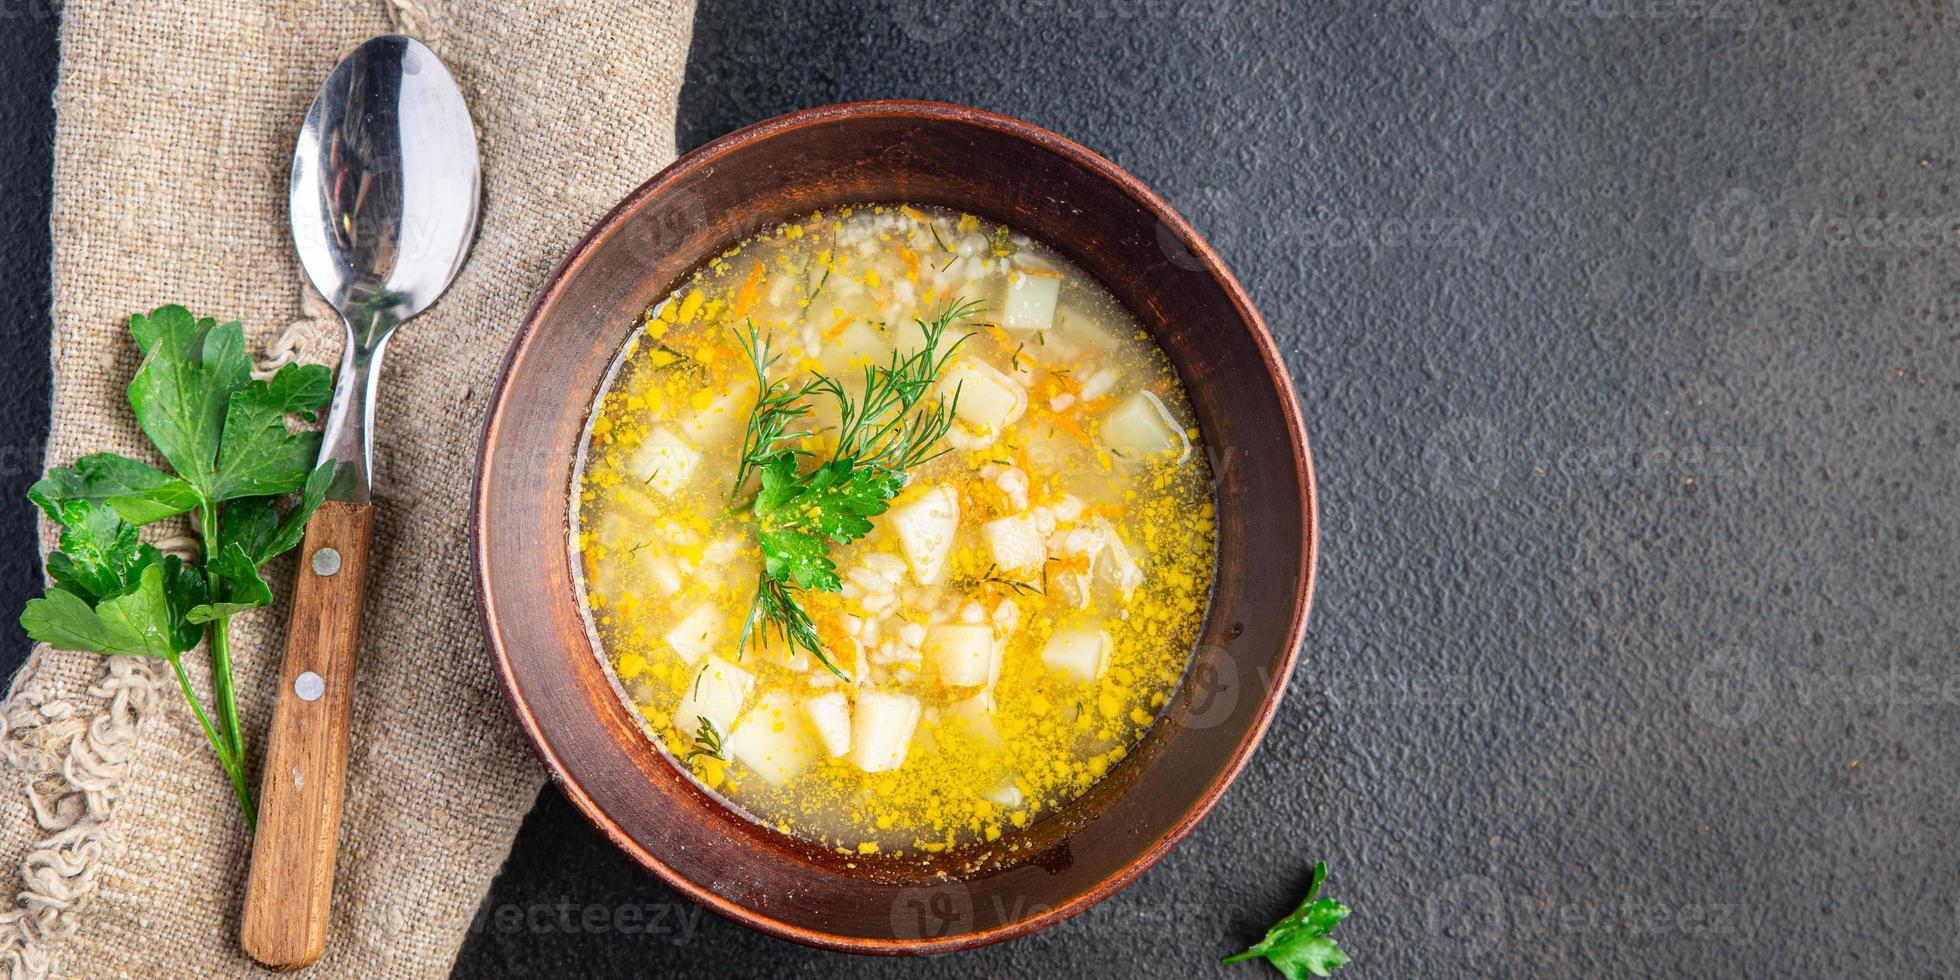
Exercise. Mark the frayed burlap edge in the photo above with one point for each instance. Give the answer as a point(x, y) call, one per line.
point(72, 757)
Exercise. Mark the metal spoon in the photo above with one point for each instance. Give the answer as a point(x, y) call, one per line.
point(383, 203)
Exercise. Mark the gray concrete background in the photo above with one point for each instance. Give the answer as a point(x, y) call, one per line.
point(1625, 333)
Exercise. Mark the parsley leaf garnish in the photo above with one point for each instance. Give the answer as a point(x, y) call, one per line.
point(1299, 945)
point(225, 437)
point(797, 517)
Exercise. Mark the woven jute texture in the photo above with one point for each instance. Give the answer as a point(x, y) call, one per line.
point(174, 134)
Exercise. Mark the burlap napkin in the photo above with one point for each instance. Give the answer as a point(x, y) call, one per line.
point(175, 130)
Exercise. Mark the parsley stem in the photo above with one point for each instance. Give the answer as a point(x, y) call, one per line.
point(234, 764)
point(222, 685)
point(220, 633)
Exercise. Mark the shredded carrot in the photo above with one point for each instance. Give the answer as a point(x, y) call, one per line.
point(1096, 407)
point(911, 263)
point(745, 297)
point(837, 329)
point(831, 631)
point(1066, 424)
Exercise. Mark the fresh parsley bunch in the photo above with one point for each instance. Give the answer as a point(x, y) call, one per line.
point(1299, 945)
point(232, 455)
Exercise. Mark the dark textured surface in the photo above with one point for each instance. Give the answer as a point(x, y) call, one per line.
point(27, 48)
point(1626, 337)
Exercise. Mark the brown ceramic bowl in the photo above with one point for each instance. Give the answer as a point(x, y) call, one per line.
point(1104, 219)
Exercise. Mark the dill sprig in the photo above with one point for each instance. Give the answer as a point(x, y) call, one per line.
point(779, 405)
point(1020, 588)
point(707, 741)
point(883, 431)
point(775, 608)
point(993, 577)
point(880, 429)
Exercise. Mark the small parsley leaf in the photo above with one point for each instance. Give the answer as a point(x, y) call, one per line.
point(100, 554)
point(250, 523)
point(140, 623)
point(141, 493)
point(797, 518)
point(1299, 945)
point(184, 386)
point(254, 524)
point(66, 621)
point(245, 589)
point(259, 455)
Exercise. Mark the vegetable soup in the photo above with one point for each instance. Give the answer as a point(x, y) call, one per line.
point(895, 527)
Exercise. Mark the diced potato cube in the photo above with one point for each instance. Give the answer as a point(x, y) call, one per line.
point(1140, 426)
point(830, 715)
point(1015, 542)
point(963, 655)
point(974, 717)
point(1071, 579)
point(666, 576)
point(1117, 569)
point(926, 527)
point(719, 421)
point(1030, 302)
point(664, 461)
point(772, 646)
point(698, 634)
point(1005, 794)
point(1079, 654)
point(717, 693)
point(988, 400)
point(773, 739)
point(856, 347)
point(881, 730)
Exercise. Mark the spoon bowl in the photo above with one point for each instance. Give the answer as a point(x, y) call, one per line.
point(385, 183)
point(383, 203)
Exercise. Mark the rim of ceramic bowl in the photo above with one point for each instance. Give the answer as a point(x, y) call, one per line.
point(705, 157)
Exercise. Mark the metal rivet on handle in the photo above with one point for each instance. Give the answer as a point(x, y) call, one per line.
point(326, 561)
point(309, 686)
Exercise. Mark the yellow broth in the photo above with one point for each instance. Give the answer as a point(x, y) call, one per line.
point(1009, 628)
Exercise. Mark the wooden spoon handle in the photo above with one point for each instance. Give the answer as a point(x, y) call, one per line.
point(285, 920)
